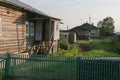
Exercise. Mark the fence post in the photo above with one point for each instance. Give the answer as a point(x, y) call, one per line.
point(78, 68)
point(7, 65)
point(119, 70)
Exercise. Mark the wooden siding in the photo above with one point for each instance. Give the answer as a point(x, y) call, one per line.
point(12, 38)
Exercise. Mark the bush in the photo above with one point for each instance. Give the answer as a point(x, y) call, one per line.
point(63, 43)
point(73, 50)
point(115, 46)
point(99, 53)
point(88, 46)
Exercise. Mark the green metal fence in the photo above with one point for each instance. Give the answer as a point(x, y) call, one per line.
point(35, 67)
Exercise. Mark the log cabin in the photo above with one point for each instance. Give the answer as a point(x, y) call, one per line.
point(26, 29)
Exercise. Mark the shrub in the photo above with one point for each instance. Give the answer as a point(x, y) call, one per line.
point(63, 43)
point(87, 46)
point(99, 53)
point(115, 46)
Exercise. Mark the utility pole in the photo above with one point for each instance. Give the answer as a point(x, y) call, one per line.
point(67, 27)
point(89, 19)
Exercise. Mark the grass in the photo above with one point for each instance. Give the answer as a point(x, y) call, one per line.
point(63, 68)
point(89, 48)
point(46, 68)
point(97, 44)
point(98, 53)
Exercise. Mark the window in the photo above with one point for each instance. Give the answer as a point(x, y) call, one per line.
point(32, 29)
point(93, 32)
point(0, 26)
point(27, 28)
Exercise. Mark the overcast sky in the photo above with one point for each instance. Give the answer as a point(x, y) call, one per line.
point(76, 12)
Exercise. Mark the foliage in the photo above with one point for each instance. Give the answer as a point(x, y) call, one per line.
point(106, 26)
point(93, 44)
point(91, 48)
point(63, 43)
point(115, 45)
point(73, 50)
point(10, 78)
point(99, 53)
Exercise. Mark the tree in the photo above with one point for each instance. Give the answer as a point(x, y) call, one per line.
point(106, 26)
point(99, 24)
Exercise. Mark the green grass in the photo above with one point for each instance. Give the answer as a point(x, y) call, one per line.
point(98, 53)
point(50, 68)
point(89, 48)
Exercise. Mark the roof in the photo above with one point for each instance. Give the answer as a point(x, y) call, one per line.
point(26, 7)
point(78, 28)
point(89, 26)
point(84, 27)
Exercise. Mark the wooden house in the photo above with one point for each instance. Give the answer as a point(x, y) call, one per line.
point(94, 31)
point(26, 29)
point(65, 34)
point(81, 33)
point(85, 31)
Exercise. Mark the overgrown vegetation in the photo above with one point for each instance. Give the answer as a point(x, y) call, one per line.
point(115, 44)
point(92, 48)
point(63, 43)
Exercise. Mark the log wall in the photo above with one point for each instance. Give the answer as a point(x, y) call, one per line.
point(13, 30)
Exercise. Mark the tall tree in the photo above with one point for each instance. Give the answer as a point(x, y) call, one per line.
point(106, 26)
point(99, 24)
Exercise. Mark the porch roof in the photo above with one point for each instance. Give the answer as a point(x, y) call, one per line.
point(27, 7)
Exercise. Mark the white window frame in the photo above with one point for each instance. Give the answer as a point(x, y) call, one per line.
point(32, 29)
point(27, 23)
point(0, 27)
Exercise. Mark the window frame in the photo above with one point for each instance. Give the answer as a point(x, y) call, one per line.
point(27, 23)
point(32, 29)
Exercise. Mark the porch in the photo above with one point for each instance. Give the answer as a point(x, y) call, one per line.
point(43, 40)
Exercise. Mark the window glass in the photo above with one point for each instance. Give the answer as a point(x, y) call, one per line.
point(32, 29)
point(27, 28)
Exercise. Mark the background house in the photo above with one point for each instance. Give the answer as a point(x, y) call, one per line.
point(69, 36)
point(94, 31)
point(24, 28)
point(65, 34)
point(81, 32)
point(85, 31)
point(117, 35)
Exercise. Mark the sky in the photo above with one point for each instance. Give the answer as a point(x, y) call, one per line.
point(76, 12)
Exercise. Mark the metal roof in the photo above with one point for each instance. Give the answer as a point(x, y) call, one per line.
point(26, 7)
